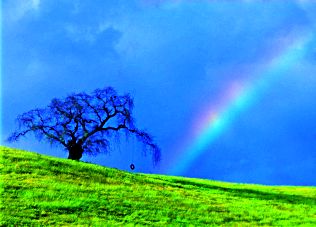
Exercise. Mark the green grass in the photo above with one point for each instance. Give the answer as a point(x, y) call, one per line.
point(41, 190)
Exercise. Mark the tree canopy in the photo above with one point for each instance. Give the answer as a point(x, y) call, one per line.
point(85, 123)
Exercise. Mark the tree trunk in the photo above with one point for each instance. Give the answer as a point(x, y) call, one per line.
point(75, 152)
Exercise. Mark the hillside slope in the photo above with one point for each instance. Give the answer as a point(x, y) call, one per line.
point(42, 190)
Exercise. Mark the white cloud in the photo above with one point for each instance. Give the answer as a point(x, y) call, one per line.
point(17, 10)
point(36, 4)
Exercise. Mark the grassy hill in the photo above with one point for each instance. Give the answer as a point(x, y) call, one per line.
point(42, 190)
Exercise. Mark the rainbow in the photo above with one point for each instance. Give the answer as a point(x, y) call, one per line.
point(241, 98)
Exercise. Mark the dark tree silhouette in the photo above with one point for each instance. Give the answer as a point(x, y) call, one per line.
point(85, 123)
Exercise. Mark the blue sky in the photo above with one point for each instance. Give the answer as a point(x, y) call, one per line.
point(178, 59)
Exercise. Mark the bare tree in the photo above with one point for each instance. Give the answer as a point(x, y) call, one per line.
point(85, 123)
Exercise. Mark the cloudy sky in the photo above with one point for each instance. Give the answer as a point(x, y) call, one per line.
point(227, 88)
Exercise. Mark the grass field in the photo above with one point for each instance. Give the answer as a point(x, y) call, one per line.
point(42, 190)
